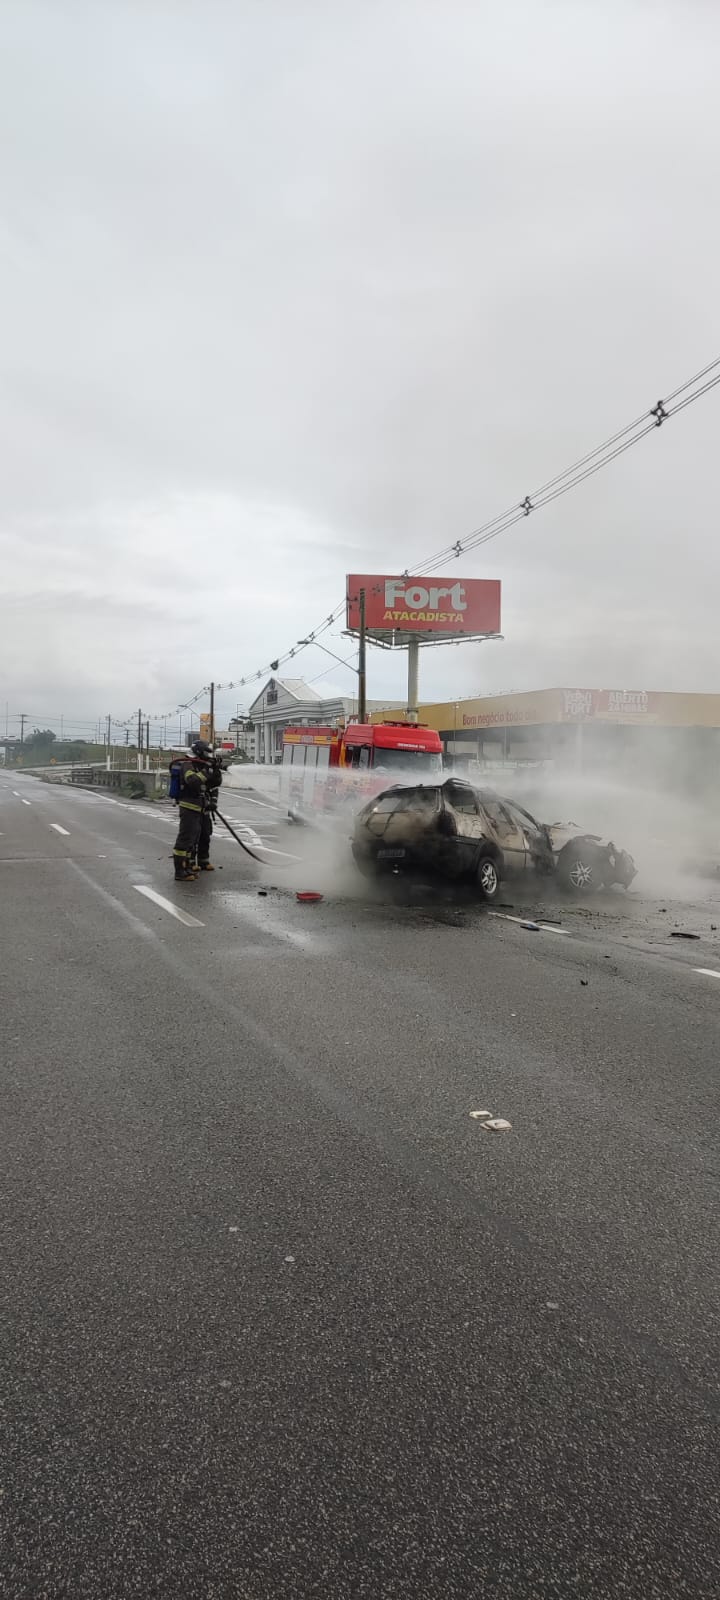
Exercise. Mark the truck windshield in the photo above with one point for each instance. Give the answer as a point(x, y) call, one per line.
point(415, 761)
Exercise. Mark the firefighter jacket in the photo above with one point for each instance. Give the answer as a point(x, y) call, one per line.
point(214, 780)
point(193, 792)
point(200, 783)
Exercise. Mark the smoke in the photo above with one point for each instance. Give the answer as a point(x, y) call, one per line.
point(659, 805)
point(655, 798)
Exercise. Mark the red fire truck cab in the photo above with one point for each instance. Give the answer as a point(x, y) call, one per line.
point(324, 768)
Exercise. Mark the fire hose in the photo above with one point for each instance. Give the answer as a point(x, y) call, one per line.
point(240, 841)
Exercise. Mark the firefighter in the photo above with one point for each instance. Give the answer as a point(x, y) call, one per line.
point(213, 782)
point(193, 837)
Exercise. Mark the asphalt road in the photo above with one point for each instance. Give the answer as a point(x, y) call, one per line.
point(281, 1318)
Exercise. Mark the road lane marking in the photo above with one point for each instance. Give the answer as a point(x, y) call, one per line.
point(246, 800)
point(167, 905)
point(708, 972)
point(286, 853)
point(246, 832)
point(545, 927)
point(58, 829)
point(251, 838)
point(25, 802)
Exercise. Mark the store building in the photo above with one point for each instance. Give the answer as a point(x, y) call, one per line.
point(674, 737)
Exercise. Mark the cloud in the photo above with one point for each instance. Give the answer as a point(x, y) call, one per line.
point(298, 289)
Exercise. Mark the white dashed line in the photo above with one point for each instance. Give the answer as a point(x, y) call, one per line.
point(58, 829)
point(264, 803)
point(246, 832)
point(503, 917)
point(286, 853)
point(708, 972)
point(545, 927)
point(25, 802)
point(167, 905)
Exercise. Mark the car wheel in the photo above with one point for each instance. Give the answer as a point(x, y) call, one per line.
point(580, 870)
point(488, 878)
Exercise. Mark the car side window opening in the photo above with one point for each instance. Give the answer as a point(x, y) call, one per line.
point(463, 801)
point(523, 820)
point(500, 818)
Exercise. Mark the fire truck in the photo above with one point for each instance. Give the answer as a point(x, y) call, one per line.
point(330, 769)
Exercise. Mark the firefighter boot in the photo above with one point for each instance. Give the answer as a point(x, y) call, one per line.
point(183, 874)
point(206, 866)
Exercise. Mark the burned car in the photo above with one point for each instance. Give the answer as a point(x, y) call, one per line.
point(457, 831)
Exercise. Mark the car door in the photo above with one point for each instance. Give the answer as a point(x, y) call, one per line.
point(509, 834)
point(538, 846)
point(460, 829)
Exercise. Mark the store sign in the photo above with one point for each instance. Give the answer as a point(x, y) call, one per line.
point(425, 605)
point(609, 705)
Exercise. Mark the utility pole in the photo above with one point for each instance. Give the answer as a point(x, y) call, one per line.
point(212, 714)
point(107, 757)
point(23, 720)
point(413, 677)
point(147, 745)
point(140, 741)
point(362, 675)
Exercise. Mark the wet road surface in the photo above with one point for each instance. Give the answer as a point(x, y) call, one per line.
point(280, 1317)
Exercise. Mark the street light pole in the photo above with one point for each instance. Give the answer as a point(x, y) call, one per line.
point(362, 675)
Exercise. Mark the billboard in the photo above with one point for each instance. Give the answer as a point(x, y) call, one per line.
point(448, 606)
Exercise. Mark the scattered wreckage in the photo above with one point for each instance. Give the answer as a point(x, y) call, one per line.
point(460, 832)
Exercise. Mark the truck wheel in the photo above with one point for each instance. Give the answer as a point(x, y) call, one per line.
point(488, 878)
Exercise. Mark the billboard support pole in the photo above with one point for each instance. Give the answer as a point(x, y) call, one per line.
point(413, 679)
point(362, 674)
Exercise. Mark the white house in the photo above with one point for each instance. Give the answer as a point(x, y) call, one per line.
point(284, 701)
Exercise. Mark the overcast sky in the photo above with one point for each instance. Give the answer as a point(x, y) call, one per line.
point(296, 287)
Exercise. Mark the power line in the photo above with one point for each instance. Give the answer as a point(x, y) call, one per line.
point(578, 472)
point(573, 475)
point(552, 489)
